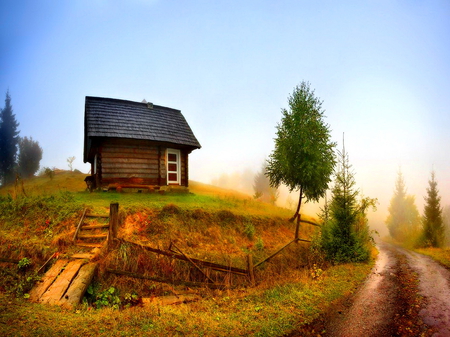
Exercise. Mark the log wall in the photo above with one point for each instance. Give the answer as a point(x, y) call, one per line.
point(127, 161)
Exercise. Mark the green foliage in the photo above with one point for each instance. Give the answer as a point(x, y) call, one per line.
point(259, 245)
point(24, 263)
point(100, 299)
point(345, 236)
point(403, 220)
point(9, 139)
point(433, 225)
point(303, 158)
point(49, 173)
point(249, 230)
point(30, 154)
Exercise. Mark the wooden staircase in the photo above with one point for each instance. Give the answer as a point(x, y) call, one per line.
point(66, 281)
point(91, 235)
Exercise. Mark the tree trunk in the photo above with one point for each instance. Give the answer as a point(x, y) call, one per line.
point(297, 227)
point(297, 212)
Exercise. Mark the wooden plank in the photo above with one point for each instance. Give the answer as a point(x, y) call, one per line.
point(193, 263)
point(127, 151)
point(310, 222)
point(214, 266)
point(130, 160)
point(46, 281)
point(130, 166)
point(271, 256)
point(78, 287)
point(59, 287)
point(79, 225)
point(111, 168)
point(170, 300)
point(88, 227)
point(113, 176)
point(92, 236)
point(89, 245)
point(87, 256)
point(161, 280)
point(97, 216)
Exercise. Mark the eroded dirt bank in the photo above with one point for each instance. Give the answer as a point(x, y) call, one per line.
point(407, 294)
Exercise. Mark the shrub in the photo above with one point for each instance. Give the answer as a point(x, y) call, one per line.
point(249, 230)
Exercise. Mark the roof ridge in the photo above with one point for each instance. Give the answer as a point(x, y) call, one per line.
point(92, 98)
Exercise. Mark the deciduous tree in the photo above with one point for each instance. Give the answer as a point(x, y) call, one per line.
point(303, 158)
point(30, 155)
point(262, 188)
point(9, 139)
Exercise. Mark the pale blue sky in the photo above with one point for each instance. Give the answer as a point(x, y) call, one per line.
point(382, 69)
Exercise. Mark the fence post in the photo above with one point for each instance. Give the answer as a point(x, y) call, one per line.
point(113, 222)
point(251, 269)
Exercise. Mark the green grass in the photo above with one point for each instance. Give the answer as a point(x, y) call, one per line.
point(248, 312)
point(209, 223)
point(442, 255)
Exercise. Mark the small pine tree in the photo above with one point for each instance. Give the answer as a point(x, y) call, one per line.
point(403, 220)
point(433, 225)
point(9, 139)
point(345, 232)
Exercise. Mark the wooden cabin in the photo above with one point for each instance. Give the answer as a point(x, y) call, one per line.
point(136, 144)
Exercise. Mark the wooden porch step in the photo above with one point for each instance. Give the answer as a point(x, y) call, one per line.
point(90, 245)
point(92, 236)
point(94, 226)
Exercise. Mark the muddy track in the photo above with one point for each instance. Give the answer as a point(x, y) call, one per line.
point(407, 294)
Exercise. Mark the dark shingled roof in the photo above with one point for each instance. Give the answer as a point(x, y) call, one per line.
point(108, 117)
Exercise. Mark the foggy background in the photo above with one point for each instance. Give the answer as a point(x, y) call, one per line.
point(382, 69)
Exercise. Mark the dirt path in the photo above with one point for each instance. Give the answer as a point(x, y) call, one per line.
point(407, 294)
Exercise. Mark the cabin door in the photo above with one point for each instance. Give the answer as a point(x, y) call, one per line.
point(173, 167)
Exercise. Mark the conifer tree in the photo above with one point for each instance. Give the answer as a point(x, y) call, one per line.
point(403, 220)
point(433, 225)
point(340, 239)
point(9, 139)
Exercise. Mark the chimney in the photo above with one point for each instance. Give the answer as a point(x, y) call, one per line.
point(149, 105)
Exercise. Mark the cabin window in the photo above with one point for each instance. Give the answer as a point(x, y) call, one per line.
point(173, 167)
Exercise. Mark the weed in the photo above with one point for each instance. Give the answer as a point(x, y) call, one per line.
point(100, 299)
point(24, 263)
point(249, 230)
point(259, 245)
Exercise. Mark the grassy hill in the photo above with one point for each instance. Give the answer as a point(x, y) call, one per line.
point(39, 217)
